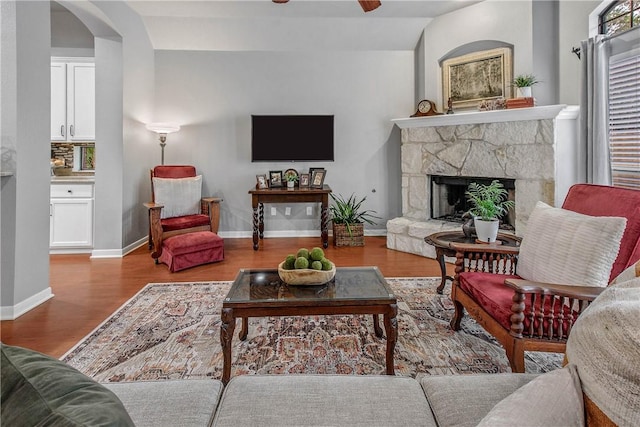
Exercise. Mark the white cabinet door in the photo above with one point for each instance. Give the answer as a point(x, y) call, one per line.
point(81, 101)
point(71, 223)
point(58, 101)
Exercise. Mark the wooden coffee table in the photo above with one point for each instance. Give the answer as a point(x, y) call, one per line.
point(353, 290)
point(443, 240)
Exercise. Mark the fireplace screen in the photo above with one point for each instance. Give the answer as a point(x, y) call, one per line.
point(449, 202)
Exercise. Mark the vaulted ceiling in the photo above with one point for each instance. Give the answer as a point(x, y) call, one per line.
point(243, 25)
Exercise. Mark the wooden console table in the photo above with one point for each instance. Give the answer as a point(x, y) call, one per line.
point(289, 195)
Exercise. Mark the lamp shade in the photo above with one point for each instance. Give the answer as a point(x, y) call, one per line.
point(163, 127)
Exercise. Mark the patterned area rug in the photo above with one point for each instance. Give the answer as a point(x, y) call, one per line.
point(172, 330)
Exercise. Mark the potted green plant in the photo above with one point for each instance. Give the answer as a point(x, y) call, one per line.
point(523, 83)
point(348, 220)
point(489, 202)
point(291, 180)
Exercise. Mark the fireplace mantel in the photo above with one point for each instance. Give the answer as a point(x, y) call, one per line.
point(474, 117)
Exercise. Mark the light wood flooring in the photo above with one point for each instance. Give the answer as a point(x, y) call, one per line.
point(88, 290)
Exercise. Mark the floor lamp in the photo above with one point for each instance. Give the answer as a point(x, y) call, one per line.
point(163, 129)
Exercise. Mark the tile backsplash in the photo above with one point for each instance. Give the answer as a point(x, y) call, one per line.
point(67, 151)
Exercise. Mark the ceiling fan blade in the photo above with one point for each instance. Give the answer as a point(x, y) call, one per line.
point(369, 5)
point(280, 1)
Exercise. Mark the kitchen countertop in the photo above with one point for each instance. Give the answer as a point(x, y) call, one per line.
point(73, 179)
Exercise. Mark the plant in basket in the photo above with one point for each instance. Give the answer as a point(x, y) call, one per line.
point(348, 218)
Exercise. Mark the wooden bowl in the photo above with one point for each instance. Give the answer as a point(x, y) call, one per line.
point(306, 276)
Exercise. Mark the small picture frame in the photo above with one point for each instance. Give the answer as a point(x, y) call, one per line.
point(314, 169)
point(262, 182)
point(317, 178)
point(304, 180)
point(275, 179)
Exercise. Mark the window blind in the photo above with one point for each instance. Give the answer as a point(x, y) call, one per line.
point(624, 121)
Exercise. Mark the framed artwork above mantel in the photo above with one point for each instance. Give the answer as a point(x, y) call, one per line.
point(485, 75)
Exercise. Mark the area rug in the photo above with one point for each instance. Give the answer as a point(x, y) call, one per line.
point(172, 331)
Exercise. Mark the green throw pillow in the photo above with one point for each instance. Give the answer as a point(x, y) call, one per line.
point(40, 390)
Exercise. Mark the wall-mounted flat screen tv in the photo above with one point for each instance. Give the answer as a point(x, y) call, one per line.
point(291, 138)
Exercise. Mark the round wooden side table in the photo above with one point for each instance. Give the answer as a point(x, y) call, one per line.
point(443, 240)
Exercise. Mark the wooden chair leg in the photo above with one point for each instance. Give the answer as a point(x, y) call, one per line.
point(457, 316)
point(515, 353)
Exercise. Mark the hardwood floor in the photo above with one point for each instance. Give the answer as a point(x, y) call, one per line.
point(88, 290)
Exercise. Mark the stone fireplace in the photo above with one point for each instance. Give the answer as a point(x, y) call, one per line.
point(533, 149)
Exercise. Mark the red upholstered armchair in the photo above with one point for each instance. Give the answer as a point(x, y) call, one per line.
point(525, 315)
point(176, 206)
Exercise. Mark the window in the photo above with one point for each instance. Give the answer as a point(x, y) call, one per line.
point(624, 120)
point(621, 16)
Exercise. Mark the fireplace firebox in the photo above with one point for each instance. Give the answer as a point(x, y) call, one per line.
point(449, 201)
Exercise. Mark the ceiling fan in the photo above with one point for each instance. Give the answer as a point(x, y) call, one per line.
point(367, 5)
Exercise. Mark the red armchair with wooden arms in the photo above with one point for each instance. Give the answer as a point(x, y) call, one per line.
point(205, 217)
point(526, 315)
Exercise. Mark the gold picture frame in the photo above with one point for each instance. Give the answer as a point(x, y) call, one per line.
point(470, 79)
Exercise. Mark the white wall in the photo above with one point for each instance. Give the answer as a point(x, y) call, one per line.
point(505, 21)
point(213, 94)
point(542, 34)
point(574, 16)
point(25, 101)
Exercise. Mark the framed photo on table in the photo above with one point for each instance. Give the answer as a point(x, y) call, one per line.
point(262, 182)
point(304, 180)
point(275, 179)
point(317, 178)
point(470, 79)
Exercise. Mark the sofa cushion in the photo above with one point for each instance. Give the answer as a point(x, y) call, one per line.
point(40, 390)
point(604, 200)
point(603, 345)
point(169, 403)
point(323, 400)
point(561, 246)
point(554, 398)
point(180, 196)
point(463, 400)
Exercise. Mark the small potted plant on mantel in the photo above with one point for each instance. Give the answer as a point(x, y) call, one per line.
point(348, 220)
point(523, 83)
point(291, 180)
point(489, 204)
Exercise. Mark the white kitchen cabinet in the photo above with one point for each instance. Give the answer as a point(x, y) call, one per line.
point(71, 215)
point(73, 101)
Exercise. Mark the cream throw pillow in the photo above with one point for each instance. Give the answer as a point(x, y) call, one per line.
point(180, 196)
point(604, 345)
point(565, 247)
point(552, 399)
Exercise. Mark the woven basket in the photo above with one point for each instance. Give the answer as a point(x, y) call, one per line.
point(341, 236)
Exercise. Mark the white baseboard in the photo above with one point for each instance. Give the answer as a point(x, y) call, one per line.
point(13, 312)
point(292, 233)
point(119, 253)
